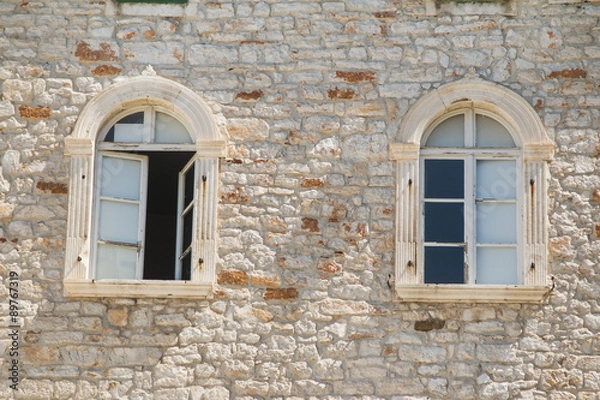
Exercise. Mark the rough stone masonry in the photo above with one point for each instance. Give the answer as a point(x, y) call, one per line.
point(311, 93)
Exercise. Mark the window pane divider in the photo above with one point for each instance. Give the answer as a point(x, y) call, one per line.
point(444, 244)
point(491, 152)
point(116, 146)
point(496, 244)
point(470, 191)
point(504, 201)
point(185, 252)
point(124, 244)
point(187, 208)
point(444, 200)
point(119, 200)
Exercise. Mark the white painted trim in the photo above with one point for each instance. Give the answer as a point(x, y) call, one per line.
point(137, 289)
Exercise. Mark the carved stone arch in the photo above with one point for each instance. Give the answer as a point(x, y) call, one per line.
point(506, 104)
point(181, 102)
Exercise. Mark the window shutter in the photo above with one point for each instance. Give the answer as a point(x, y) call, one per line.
point(186, 209)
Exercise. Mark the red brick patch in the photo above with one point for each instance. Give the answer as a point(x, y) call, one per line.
point(310, 224)
point(50, 187)
point(106, 70)
point(253, 95)
point(34, 113)
point(356, 77)
point(230, 277)
point(281, 294)
point(341, 94)
point(85, 53)
point(570, 73)
point(312, 183)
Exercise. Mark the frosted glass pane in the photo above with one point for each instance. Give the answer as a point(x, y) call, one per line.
point(169, 130)
point(118, 222)
point(450, 133)
point(497, 266)
point(115, 262)
point(496, 223)
point(496, 179)
point(132, 133)
point(120, 178)
point(491, 133)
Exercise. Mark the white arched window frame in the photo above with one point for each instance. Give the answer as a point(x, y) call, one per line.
point(535, 150)
point(81, 146)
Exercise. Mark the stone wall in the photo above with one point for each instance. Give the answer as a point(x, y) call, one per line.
point(312, 94)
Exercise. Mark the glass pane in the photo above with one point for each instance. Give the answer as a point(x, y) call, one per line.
point(491, 133)
point(444, 265)
point(133, 119)
point(118, 222)
point(120, 178)
point(444, 179)
point(497, 223)
point(130, 133)
point(444, 222)
point(497, 266)
point(116, 262)
point(496, 179)
point(169, 130)
point(449, 133)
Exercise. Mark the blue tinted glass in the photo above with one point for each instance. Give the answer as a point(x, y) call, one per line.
point(444, 265)
point(444, 222)
point(444, 179)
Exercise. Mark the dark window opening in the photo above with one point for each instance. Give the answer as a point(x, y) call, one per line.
point(161, 214)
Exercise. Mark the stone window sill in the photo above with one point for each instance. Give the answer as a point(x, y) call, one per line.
point(471, 293)
point(137, 289)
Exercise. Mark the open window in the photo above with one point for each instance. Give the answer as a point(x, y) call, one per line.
point(471, 169)
point(145, 199)
point(142, 200)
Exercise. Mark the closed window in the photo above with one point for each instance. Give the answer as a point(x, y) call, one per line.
point(471, 166)
point(470, 202)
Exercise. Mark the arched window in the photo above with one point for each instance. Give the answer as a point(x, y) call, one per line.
point(143, 193)
point(471, 181)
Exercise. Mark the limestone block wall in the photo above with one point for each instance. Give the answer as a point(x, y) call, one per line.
point(312, 93)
